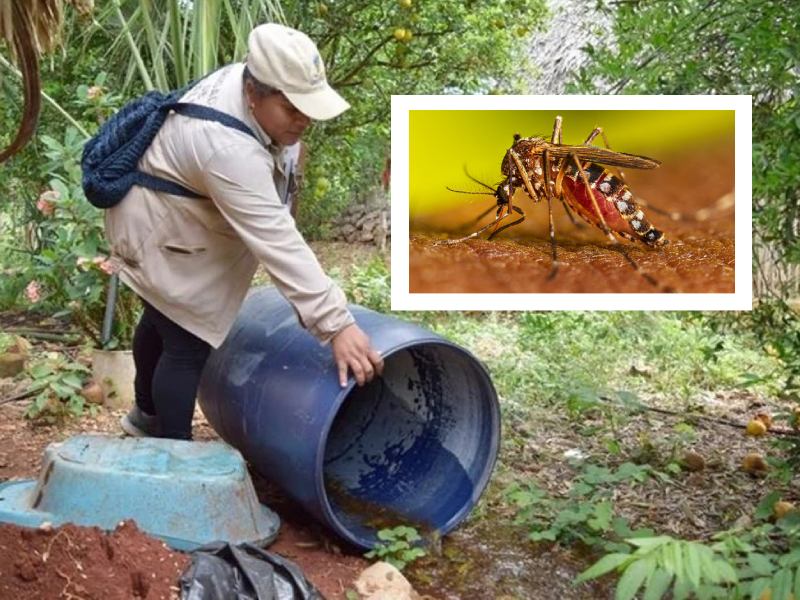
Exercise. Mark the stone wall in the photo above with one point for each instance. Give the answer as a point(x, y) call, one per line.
point(366, 221)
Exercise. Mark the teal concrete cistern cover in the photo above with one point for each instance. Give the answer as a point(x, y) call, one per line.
point(185, 493)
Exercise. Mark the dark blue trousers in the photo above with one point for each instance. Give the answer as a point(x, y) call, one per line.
point(169, 361)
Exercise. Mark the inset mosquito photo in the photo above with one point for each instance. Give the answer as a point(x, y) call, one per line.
point(578, 202)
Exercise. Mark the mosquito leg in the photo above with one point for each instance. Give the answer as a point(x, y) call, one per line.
point(556, 139)
point(521, 170)
point(516, 209)
point(546, 165)
point(510, 190)
point(619, 247)
point(481, 230)
point(534, 196)
point(599, 131)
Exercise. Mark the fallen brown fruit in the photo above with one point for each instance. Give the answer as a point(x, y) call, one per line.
point(766, 419)
point(692, 461)
point(783, 508)
point(755, 463)
point(756, 427)
point(92, 392)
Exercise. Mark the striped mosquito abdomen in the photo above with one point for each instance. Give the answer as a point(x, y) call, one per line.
point(618, 206)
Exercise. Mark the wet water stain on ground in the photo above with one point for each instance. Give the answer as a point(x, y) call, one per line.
point(491, 559)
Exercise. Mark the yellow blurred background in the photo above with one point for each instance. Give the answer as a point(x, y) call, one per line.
point(442, 143)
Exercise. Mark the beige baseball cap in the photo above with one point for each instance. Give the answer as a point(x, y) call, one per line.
point(287, 60)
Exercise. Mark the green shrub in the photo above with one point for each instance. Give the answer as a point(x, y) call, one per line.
point(586, 515)
point(397, 546)
point(58, 382)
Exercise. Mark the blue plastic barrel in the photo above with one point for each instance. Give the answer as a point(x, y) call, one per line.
point(415, 447)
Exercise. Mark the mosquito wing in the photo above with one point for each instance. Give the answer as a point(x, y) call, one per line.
point(603, 156)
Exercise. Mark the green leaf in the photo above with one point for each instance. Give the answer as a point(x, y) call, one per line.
point(61, 390)
point(672, 558)
point(414, 553)
point(682, 589)
point(40, 371)
point(642, 532)
point(760, 564)
point(782, 584)
point(633, 578)
point(75, 381)
point(60, 188)
point(658, 583)
point(796, 586)
point(757, 586)
point(622, 527)
point(650, 542)
point(602, 516)
point(691, 562)
point(726, 571)
point(706, 564)
point(547, 534)
point(767, 505)
point(605, 565)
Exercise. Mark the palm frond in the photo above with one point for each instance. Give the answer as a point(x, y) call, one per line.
point(30, 27)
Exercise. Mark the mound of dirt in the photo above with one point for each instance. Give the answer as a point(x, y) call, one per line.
point(87, 563)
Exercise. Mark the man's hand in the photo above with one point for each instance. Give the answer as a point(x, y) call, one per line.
point(352, 349)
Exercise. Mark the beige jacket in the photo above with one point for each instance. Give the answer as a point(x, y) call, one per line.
point(194, 260)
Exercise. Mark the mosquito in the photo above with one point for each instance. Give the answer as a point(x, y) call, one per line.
point(576, 176)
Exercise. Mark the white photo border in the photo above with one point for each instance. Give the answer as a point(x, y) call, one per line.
point(401, 299)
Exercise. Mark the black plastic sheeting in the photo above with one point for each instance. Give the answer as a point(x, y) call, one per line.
point(221, 571)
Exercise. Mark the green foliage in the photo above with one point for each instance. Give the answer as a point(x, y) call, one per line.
point(586, 515)
point(447, 47)
point(7, 340)
point(775, 325)
point(70, 269)
point(65, 262)
point(690, 569)
point(58, 382)
point(725, 47)
point(574, 357)
point(736, 564)
point(399, 546)
point(464, 47)
point(696, 47)
point(165, 45)
point(368, 286)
